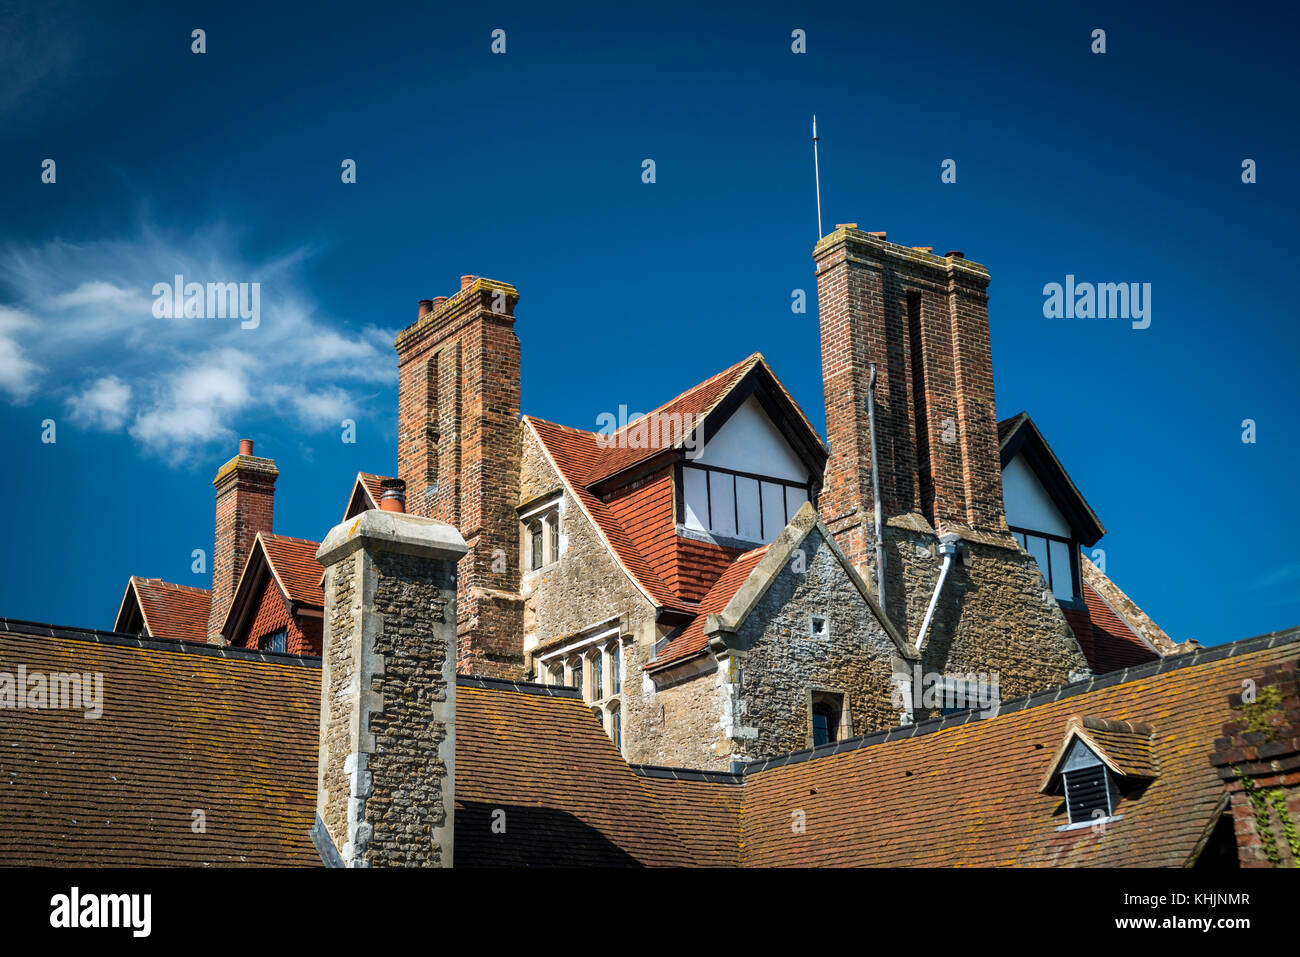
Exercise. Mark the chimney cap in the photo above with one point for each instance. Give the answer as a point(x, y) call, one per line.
point(879, 235)
point(393, 497)
point(245, 446)
point(846, 225)
point(955, 254)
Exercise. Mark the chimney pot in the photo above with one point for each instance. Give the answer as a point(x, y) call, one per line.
point(245, 446)
point(393, 498)
point(466, 282)
point(956, 254)
point(426, 306)
point(438, 301)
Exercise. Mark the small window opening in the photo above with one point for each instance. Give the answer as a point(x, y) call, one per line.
point(818, 628)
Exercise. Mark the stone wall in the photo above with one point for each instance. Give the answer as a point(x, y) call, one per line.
point(338, 696)
point(585, 588)
point(782, 663)
point(386, 791)
point(409, 765)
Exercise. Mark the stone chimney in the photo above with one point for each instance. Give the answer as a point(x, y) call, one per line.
point(386, 781)
point(245, 505)
point(459, 454)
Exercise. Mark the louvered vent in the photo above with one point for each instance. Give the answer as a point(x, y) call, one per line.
point(1087, 791)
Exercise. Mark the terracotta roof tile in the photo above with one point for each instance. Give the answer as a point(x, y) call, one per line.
point(574, 452)
point(293, 561)
point(966, 792)
point(691, 640)
point(567, 794)
point(182, 730)
point(1106, 639)
point(695, 402)
point(173, 611)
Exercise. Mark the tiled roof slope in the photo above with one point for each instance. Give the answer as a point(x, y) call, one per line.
point(638, 518)
point(233, 733)
point(293, 562)
point(691, 641)
point(695, 402)
point(173, 611)
point(960, 791)
point(1107, 641)
point(703, 807)
point(230, 734)
point(574, 453)
point(540, 755)
point(374, 489)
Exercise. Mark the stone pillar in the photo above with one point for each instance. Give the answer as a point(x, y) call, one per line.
point(1259, 761)
point(386, 780)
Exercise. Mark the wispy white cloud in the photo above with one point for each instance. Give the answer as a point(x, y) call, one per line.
point(103, 404)
point(77, 324)
point(18, 373)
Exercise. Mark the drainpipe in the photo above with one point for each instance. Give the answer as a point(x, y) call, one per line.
point(948, 549)
point(875, 493)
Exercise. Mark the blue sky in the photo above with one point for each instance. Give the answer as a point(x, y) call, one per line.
point(526, 167)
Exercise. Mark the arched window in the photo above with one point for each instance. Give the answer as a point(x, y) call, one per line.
point(597, 676)
point(575, 669)
point(616, 668)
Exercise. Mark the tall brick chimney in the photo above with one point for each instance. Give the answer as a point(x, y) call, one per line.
point(459, 454)
point(386, 775)
point(923, 319)
point(245, 506)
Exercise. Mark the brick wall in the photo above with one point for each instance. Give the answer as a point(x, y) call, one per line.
point(245, 506)
point(458, 451)
point(923, 320)
point(302, 636)
point(1258, 759)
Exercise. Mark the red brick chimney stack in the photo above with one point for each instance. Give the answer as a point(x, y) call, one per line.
point(459, 454)
point(245, 506)
point(923, 319)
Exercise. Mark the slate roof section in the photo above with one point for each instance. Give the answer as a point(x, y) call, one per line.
point(165, 609)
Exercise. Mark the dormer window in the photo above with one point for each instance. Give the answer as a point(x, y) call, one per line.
point(1096, 759)
point(1087, 786)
